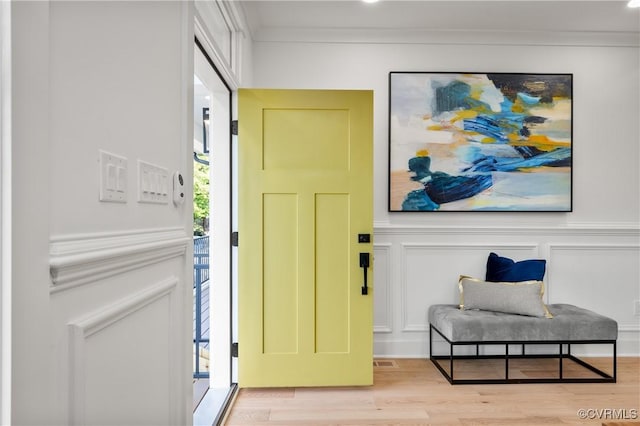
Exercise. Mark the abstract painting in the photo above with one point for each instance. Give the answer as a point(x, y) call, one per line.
point(480, 142)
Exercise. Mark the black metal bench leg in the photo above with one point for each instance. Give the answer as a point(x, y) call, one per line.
point(560, 362)
point(506, 361)
point(615, 363)
point(451, 361)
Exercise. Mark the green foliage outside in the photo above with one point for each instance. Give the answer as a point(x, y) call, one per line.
point(200, 199)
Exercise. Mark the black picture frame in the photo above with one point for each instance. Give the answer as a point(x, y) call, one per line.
point(469, 141)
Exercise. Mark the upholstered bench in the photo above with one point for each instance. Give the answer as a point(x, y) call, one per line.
point(480, 328)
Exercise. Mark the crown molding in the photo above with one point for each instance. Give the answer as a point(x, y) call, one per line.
point(447, 37)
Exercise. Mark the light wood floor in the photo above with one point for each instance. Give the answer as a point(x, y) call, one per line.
point(413, 392)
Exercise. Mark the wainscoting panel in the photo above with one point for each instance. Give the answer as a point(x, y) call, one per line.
point(593, 266)
point(432, 271)
point(382, 294)
point(105, 355)
point(120, 308)
point(603, 278)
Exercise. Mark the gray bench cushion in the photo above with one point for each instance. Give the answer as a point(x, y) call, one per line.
point(569, 323)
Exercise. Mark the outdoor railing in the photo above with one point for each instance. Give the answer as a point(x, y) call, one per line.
point(200, 276)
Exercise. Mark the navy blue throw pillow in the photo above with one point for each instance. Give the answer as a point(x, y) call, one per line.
point(503, 269)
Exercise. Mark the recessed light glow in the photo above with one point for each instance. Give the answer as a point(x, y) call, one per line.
point(375, 1)
point(634, 3)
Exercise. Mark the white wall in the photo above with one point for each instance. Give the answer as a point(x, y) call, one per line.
point(102, 296)
point(592, 253)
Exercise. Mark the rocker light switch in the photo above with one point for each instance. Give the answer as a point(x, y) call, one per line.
point(152, 183)
point(113, 178)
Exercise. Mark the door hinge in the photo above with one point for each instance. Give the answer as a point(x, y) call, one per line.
point(234, 239)
point(234, 127)
point(234, 350)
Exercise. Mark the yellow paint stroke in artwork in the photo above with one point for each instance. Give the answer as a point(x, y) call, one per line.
point(476, 91)
point(464, 113)
point(542, 142)
point(544, 169)
point(517, 107)
point(422, 153)
point(488, 140)
point(543, 139)
point(435, 127)
point(513, 137)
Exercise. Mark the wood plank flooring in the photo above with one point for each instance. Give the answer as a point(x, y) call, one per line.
point(413, 392)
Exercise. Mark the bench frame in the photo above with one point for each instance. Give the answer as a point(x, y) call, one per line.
point(561, 355)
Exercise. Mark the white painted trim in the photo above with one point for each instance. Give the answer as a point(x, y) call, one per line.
point(629, 327)
point(447, 37)
point(81, 259)
point(592, 229)
point(5, 212)
point(573, 246)
point(385, 249)
point(229, 69)
point(233, 16)
point(82, 328)
point(220, 230)
point(183, 326)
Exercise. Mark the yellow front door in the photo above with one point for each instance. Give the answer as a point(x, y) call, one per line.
point(305, 195)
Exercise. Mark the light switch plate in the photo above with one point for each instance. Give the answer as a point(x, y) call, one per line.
point(113, 178)
point(153, 183)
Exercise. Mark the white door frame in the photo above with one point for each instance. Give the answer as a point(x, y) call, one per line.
point(220, 222)
point(5, 211)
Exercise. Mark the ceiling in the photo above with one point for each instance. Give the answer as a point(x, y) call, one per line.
point(431, 15)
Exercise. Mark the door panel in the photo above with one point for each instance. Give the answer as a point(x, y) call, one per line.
point(305, 194)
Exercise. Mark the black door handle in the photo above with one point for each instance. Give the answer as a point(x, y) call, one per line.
point(364, 263)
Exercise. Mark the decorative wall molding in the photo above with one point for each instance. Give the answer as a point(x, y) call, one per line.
point(600, 247)
point(83, 328)
point(406, 248)
point(629, 327)
point(81, 259)
point(594, 264)
point(591, 229)
point(383, 288)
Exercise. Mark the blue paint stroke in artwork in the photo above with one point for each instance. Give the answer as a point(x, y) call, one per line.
point(498, 126)
point(440, 187)
point(557, 158)
point(486, 126)
point(528, 99)
point(454, 95)
point(421, 167)
point(444, 188)
point(528, 151)
point(418, 200)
